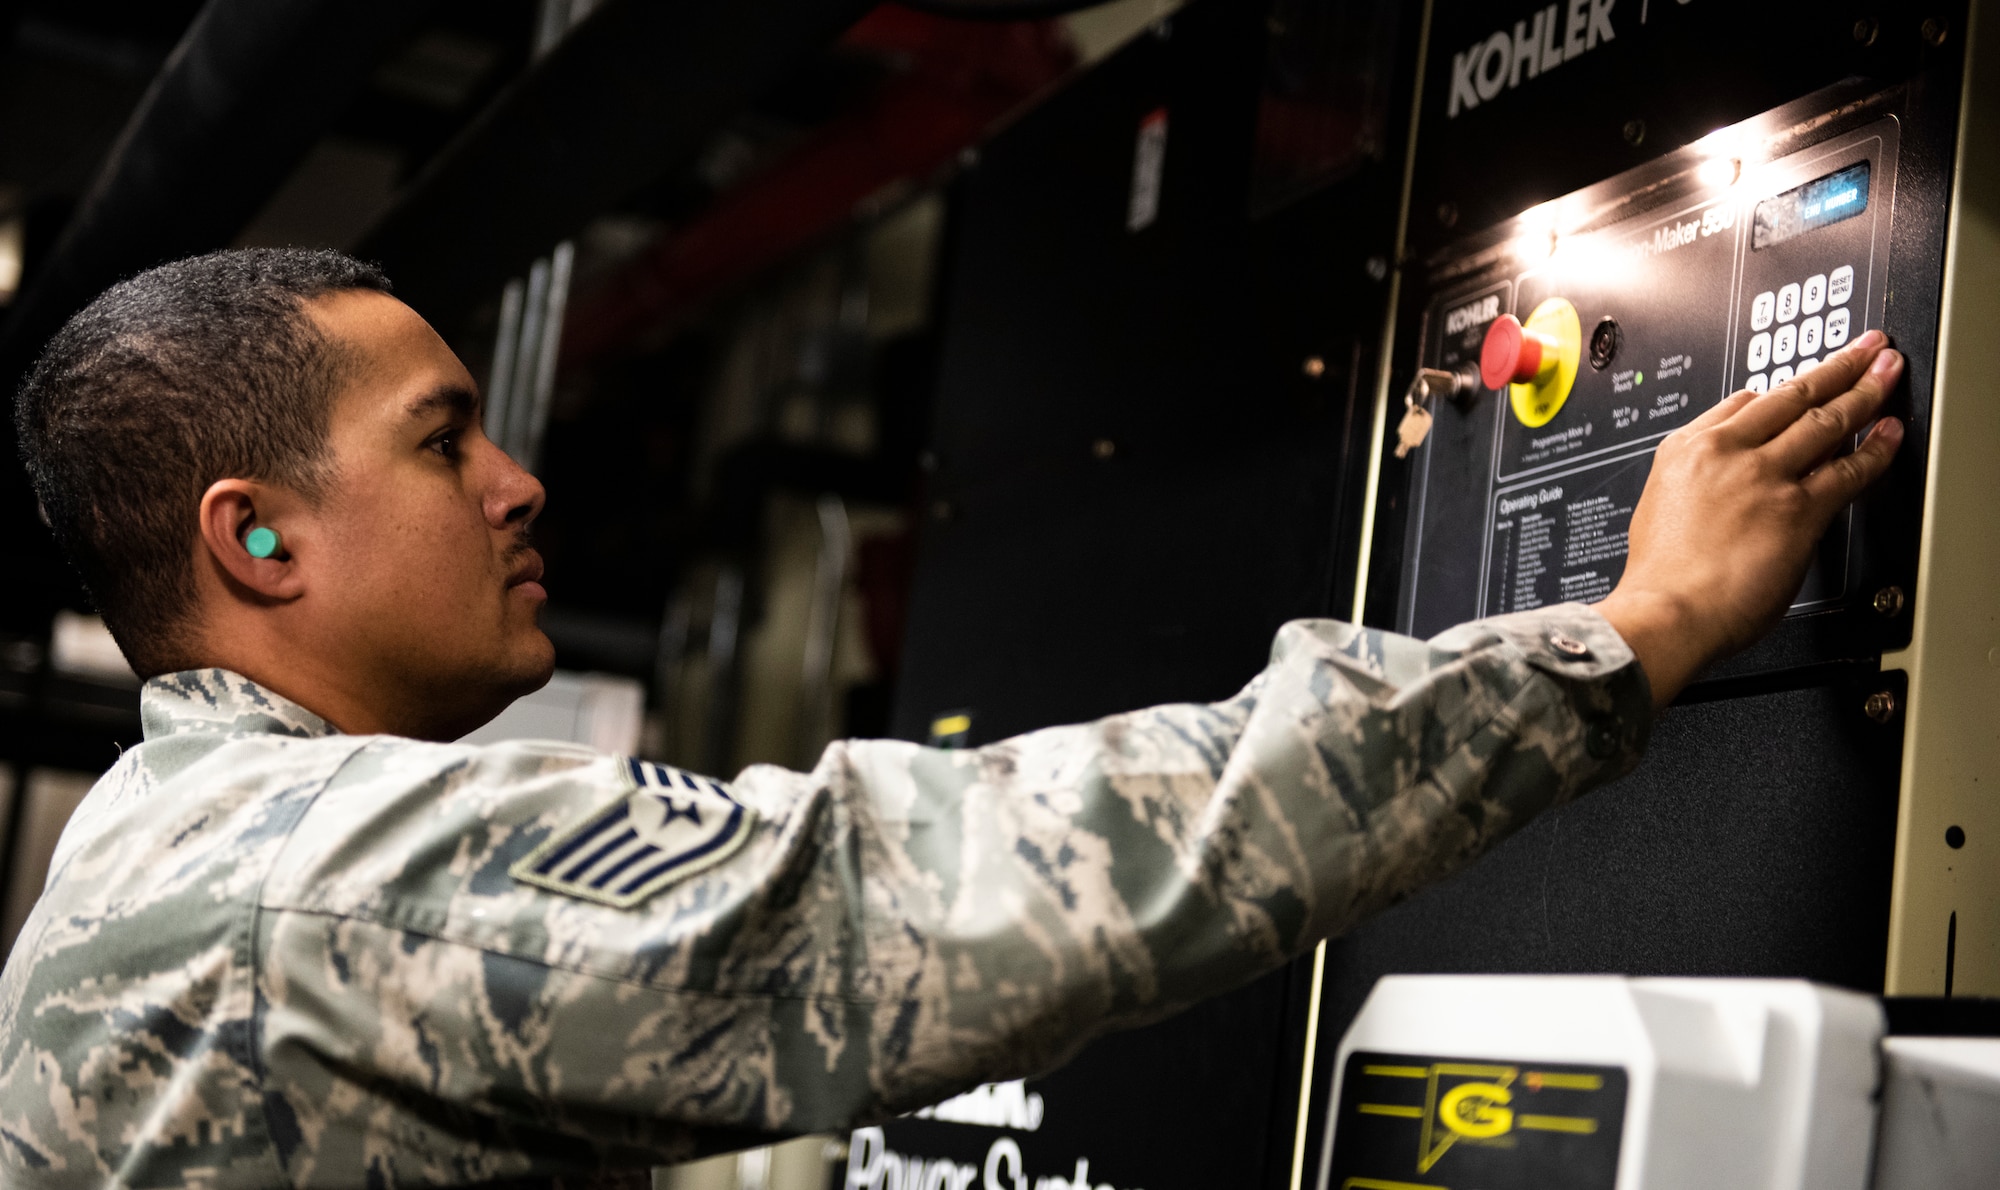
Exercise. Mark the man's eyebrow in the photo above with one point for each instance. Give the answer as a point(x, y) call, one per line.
point(451, 397)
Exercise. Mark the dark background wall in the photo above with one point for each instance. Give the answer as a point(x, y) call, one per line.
point(1147, 456)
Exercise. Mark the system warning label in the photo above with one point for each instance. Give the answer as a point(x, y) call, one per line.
point(1433, 1123)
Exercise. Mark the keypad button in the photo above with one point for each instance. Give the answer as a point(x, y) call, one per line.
point(1761, 308)
point(1788, 302)
point(1809, 332)
point(1758, 383)
point(1812, 296)
point(1779, 376)
point(1840, 285)
point(1836, 329)
point(1760, 351)
point(1806, 365)
point(1785, 344)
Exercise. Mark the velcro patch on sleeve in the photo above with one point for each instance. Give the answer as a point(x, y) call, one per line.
point(672, 825)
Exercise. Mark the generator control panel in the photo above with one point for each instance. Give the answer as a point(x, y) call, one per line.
point(1595, 256)
point(1594, 327)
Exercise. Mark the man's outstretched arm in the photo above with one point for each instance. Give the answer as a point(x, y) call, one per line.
point(899, 923)
point(902, 922)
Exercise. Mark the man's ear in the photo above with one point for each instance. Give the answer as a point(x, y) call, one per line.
point(230, 510)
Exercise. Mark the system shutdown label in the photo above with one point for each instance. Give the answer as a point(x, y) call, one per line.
point(1426, 1123)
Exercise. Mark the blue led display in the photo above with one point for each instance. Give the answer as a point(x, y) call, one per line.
point(1830, 199)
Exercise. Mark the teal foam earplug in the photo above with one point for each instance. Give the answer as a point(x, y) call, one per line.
point(261, 542)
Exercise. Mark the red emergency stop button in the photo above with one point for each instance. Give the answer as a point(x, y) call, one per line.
point(1513, 354)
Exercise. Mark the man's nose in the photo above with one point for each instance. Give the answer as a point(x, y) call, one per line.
point(515, 498)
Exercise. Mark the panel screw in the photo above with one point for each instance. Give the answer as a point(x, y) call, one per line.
point(1934, 31)
point(1378, 268)
point(1103, 448)
point(1866, 30)
point(942, 510)
point(1881, 706)
point(1314, 367)
point(1448, 214)
point(1635, 132)
point(1889, 600)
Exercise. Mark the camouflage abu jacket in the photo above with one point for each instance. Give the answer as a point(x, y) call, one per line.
point(272, 955)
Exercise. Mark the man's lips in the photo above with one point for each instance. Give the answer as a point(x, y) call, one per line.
point(528, 571)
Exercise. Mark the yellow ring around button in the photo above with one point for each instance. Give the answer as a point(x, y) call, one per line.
point(1541, 399)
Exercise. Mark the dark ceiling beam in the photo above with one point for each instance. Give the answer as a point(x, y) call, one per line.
point(636, 90)
point(249, 89)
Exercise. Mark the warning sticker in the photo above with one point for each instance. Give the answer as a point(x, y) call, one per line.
point(1427, 1123)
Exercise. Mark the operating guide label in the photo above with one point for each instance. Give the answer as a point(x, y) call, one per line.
point(1564, 540)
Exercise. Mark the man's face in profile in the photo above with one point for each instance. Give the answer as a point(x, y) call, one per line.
point(421, 574)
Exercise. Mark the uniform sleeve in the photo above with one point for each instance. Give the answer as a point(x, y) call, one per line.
point(901, 922)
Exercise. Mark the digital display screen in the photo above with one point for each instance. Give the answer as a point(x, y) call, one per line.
point(1830, 199)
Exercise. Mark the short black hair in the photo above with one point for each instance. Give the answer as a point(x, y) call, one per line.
point(204, 369)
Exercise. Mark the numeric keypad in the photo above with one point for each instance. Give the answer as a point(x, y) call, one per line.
point(1781, 338)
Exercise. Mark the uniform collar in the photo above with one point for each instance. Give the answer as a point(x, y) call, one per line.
point(221, 702)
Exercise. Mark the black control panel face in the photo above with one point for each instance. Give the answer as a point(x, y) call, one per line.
point(1522, 496)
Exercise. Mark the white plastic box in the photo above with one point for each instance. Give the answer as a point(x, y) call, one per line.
point(1604, 1083)
point(1940, 1114)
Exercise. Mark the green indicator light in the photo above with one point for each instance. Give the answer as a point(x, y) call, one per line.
point(1638, 378)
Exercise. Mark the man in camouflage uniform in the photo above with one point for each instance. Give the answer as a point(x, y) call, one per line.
point(291, 940)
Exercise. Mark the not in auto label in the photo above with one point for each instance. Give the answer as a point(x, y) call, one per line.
point(1419, 1122)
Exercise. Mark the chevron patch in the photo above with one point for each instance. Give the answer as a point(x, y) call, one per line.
point(672, 825)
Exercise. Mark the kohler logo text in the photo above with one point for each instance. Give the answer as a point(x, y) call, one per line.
point(1468, 316)
point(1500, 62)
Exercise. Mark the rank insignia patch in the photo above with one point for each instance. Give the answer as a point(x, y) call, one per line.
point(671, 826)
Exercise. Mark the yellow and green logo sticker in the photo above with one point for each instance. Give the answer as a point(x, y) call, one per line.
point(1408, 1122)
